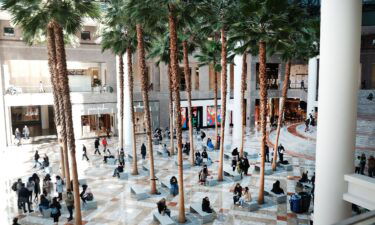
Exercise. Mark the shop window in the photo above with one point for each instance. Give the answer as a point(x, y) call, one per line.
point(9, 31)
point(85, 35)
point(182, 78)
point(272, 75)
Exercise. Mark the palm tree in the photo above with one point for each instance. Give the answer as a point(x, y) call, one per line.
point(297, 41)
point(141, 12)
point(119, 36)
point(37, 17)
point(262, 22)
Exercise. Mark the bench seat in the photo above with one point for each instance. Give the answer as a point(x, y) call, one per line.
point(138, 192)
point(252, 206)
point(89, 205)
point(163, 219)
point(205, 217)
point(278, 198)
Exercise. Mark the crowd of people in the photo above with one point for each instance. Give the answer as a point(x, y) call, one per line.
point(360, 165)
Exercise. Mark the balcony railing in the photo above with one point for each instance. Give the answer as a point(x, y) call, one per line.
point(13, 90)
point(361, 191)
point(362, 219)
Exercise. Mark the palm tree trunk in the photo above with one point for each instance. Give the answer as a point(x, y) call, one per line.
point(131, 105)
point(263, 116)
point(188, 91)
point(58, 103)
point(176, 92)
point(281, 112)
point(215, 105)
point(64, 84)
point(146, 105)
point(243, 106)
point(170, 110)
point(223, 100)
point(121, 81)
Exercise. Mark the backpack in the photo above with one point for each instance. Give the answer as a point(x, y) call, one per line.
point(89, 197)
point(14, 186)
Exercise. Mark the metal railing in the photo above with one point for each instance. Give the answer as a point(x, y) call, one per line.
point(361, 219)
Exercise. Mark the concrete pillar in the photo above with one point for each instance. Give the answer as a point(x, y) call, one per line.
point(204, 78)
point(251, 90)
point(237, 113)
point(227, 115)
point(312, 85)
point(44, 116)
point(128, 130)
point(340, 38)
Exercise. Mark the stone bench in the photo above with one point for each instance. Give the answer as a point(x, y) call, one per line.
point(130, 157)
point(252, 156)
point(211, 181)
point(46, 213)
point(111, 161)
point(185, 164)
point(165, 183)
point(287, 167)
point(123, 176)
point(234, 175)
point(138, 192)
point(48, 170)
point(207, 162)
point(228, 155)
point(163, 219)
point(155, 141)
point(205, 217)
point(267, 170)
point(89, 205)
point(278, 198)
point(252, 206)
point(146, 168)
point(162, 153)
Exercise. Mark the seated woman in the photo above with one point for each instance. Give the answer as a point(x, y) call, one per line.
point(44, 203)
point(203, 174)
point(165, 149)
point(162, 207)
point(86, 194)
point(174, 186)
point(237, 193)
point(276, 188)
point(206, 207)
point(118, 170)
point(203, 135)
point(246, 197)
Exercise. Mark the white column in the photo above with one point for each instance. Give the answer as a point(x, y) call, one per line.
point(312, 85)
point(229, 108)
point(237, 113)
point(128, 130)
point(339, 63)
point(44, 116)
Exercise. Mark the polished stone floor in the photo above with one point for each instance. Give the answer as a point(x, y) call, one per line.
point(117, 206)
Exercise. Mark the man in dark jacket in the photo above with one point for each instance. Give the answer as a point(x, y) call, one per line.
point(24, 196)
point(267, 151)
point(96, 144)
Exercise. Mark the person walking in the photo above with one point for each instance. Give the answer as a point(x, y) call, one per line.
point(30, 185)
point(96, 144)
point(371, 166)
point(55, 210)
point(37, 190)
point(24, 196)
point(267, 150)
point(174, 186)
point(69, 203)
point(104, 143)
point(143, 151)
point(41, 87)
point(363, 164)
point(84, 155)
point(36, 159)
point(307, 122)
point(357, 165)
point(121, 157)
point(47, 184)
point(17, 135)
point(246, 165)
point(59, 187)
point(26, 132)
point(281, 151)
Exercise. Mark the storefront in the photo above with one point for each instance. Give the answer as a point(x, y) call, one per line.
point(97, 125)
point(197, 117)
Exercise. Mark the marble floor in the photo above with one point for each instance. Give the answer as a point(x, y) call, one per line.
point(117, 206)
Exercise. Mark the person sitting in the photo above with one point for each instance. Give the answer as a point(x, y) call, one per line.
point(203, 135)
point(237, 193)
point(198, 158)
point(203, 174)
point(246, 197)
point(205, 156)
point(304, 178)
point(235, 153)
point(210, 146)
point(86, 194)
point(276, 188)
point(174, 186)
point(206, 205)
point(162, 207)
point(164, 149)
point(118, 170)
point(44, 203)
point(107, 156)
